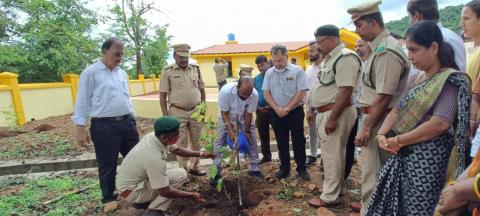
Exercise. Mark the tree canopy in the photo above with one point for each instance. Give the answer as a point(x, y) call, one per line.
point(449, 17)
point(43, 39)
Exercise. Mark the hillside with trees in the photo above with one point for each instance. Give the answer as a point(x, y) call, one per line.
point(449, 17)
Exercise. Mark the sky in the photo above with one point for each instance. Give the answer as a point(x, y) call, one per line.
point(203, 23)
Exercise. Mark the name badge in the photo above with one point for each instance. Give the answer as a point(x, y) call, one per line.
point(290, 78)
point(176, 77)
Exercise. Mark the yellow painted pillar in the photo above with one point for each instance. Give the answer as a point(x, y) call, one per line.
point(154, 82)
point(11, 79)
point(129, 86)
point(72, 79)
point(141, 77)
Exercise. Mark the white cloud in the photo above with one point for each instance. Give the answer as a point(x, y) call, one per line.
point(206, 23)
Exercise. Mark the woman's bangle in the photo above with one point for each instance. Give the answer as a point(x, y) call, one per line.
point(379, 135)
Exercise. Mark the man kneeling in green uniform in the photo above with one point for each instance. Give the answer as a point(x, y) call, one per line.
point(143, 178)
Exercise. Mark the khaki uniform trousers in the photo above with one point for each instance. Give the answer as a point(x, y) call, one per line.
point(372, 160)
point(188, 128)
point(144, 192)
point(333, 152)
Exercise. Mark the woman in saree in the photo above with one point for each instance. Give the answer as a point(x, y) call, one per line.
point(420, 131)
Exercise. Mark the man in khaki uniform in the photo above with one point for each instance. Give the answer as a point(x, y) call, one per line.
point(245, 70)
point(219, 68)
point(384, 81)
point(143, 177)
point(182, 83)
point(331, 99)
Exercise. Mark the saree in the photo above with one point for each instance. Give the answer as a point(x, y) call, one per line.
point(411, 181)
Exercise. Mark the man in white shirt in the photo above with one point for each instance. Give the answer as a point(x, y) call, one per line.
point(312, 80)
point(237, 102)
point(419, 10)
point(103, 95)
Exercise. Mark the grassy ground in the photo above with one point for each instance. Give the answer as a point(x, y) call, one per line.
point(22, 196)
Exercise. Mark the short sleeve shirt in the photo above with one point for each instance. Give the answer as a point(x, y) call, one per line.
point(219, 69)
point(182, 86)
point(229, 101)
point(146, 161)
point(346, 72)
point(284, 84)
point(386, 71)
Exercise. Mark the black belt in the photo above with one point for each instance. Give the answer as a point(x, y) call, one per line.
point(113, 119)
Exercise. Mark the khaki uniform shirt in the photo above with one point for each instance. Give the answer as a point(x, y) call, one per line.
point(219, 69)
point(146, 161)
point(347, 69)
point(387, 71)
point(182, 87)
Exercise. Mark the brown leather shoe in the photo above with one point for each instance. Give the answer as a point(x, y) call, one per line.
point(355, 206)
point(317, 203)
point(197, 172)
point(110, 206)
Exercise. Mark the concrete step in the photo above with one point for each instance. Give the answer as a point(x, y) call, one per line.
point(83, 161)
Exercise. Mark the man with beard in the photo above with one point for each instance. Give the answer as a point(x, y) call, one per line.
point(312, 80)
point(237, 101)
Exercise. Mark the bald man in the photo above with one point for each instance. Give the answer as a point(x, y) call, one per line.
point(237, 102)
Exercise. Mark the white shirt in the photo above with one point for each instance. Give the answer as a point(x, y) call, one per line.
point(312, 80)
point(101, 93)
point(457, 45)
point(229, 101)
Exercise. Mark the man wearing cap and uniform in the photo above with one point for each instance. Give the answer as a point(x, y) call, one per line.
point(219, 68)
point(245, 70)
point(331, 99)
point(384, 81)
point(143, 177)
point(103, 96)
point(182, 83)
point(236, 102)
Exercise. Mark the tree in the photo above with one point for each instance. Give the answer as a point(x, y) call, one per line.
point(54, 39)
point(133, 26)
point(449, 17)
point(156, 51)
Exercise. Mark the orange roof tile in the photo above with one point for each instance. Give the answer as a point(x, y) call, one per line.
point(249, 48)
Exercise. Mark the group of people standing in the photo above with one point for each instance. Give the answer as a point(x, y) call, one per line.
point(410, 112)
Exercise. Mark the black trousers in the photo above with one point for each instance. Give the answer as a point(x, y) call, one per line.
point(221, 84)
point(350, 150)
point(263, 127)
point(292, 123)
point(110, 138)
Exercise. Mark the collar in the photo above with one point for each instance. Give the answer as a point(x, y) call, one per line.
point(335, 50)
point(176, 66)
point(376, 42)
point(104, 67)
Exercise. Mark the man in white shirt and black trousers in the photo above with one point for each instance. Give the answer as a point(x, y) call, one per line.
point(103, 95)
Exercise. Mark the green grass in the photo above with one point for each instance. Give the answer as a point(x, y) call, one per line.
point(29, 200)
point(43, 145)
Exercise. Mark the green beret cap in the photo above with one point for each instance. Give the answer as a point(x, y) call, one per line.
point(327, 30)
point(166, 124)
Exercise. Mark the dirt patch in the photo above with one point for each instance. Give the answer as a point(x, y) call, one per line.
point(48, 138)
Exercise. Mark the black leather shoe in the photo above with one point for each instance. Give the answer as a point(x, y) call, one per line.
point(265, 160)
point(257, 174)
point(281, 174)
point(304, 175)
point(310, 161)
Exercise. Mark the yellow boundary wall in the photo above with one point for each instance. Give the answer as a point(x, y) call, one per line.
point(49, 99)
